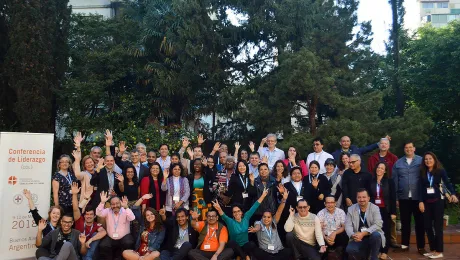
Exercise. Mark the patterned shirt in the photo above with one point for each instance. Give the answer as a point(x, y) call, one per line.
point(220, 185)
point(331, 222)
point(65, 185)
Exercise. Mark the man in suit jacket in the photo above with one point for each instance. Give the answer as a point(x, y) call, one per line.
point(141, 169)
point(105, 179)
point(364, 227)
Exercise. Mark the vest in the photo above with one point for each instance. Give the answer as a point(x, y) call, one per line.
point(204, 232)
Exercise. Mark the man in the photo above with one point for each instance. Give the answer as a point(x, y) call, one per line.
point(307, 233)
point(354, 179)
point(346, 146)
point(87, 225)
point(118, 231)
point(151, 158)
point(164, 160)
point(211, 239)
point(222, 161)
point(220, 185)
point(105, 179)
point(216, 153)
point(383, 155)
point(254, 160)
point(332, 220)
point(141, 169)
point(272, 153)
point(141, 148)
point(143, 158)
point(364, 228)
point(95, 153)
point(64, 243)
point(406, 175)
point(319, 154)
point(181, 235)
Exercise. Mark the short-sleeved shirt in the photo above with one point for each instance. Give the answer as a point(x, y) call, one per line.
point(331, 222)
point(211, 236)
point(264, 238)
point(88, 231)
point(65, 185)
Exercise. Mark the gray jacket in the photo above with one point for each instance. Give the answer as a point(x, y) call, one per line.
point(407, 177)
point(373, 220)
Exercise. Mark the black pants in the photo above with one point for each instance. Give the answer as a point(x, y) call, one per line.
point(176, 254)
point(301, 249)
point(261, 254)
point(434, 218)
point(408, 208)
point(340, 244)
point(386, 218)
point(241, 251)
point(112, 249)
point(197, 254)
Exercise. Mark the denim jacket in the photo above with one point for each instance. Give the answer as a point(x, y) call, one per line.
point(155, 237)
point(407, 177)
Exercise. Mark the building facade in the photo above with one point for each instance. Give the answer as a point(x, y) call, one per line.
point(439, 12)
point(105, 8)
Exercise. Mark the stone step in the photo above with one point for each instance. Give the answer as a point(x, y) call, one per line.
point(451, 235)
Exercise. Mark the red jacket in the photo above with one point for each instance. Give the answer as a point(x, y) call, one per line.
point(390, 160)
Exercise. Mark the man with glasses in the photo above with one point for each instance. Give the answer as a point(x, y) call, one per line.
point(64, 242)
point(353, 179)
point(211, 239)
point(272, 153)
point(319, 154)
point(307, 237)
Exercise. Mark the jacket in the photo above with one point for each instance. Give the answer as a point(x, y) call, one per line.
point(49, 241)
point(324, 187)
point(356, 150)
point(407, 177)
point(437, 178)
point(270, 203)
point(390, 159)
point(173, 234)
point(206, 191)
point(101, 181)
point(387, 186)
point(373, 219)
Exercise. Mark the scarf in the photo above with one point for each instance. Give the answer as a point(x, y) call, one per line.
point(153, 200)
point(171, 191)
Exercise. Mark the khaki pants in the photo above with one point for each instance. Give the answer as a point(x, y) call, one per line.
point(393, 231)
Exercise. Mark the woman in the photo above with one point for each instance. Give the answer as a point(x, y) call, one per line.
point(177, 187)
point(335, 180)
point(280, 172)
point(199, 187)
point(238, 186)
point(85, 176)
point(210, 169)
point(344, 161)
point(130, 187)
point(320, 186)
point(44, 227)
point(242, 154)
point(62, 183)
point(432, 177)
point(152, 185)
point(175, 159)
point(238, 227)
point(293, 159)
point(383, 194)
point(270, 246)
point(150, 239)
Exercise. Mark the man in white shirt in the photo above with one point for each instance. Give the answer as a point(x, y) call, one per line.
point(272, 153)
point(319, 154)
point(164, 159)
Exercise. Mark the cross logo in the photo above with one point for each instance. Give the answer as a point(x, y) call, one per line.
point(17, 199)
point(12, 180)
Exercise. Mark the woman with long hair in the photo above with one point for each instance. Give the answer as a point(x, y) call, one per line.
point(152, 185)
point(85, 176)
point(383, 194)
point(177, 188)
point(280, 172)
point(150, 239)
point(320, 187)
point(62, 183)
point(238, 186)
point(293, 160)
point(434, 181)
point(344, 160)
point(199, 188)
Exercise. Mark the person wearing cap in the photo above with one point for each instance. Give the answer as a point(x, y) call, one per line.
point(335, 179)
point(319, 154)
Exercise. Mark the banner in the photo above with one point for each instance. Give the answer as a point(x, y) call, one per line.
point(25, 163)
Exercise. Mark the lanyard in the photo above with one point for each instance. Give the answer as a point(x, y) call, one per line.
point(299, 191)
point(89, 233)
point(68, 178)
point(378, 190)
point(51, 226)
point(115, 223)
point(309, 177)
point(362, 219)
point(430, 178)
point(269, 232)
point(182, 234)
point(213, 233)
point(245, 182)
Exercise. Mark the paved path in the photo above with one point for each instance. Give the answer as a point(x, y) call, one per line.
point(451, 251)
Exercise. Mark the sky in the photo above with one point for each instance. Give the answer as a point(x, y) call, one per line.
point(379, 13)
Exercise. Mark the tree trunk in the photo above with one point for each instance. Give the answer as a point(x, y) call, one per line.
point(312, 111)
point(395, 39)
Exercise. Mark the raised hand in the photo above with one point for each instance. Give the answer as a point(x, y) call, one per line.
point(124, 202)
point(78, 139)
point(237, 146)
point(265, 159)
point(108, 137)
point(285, 195)
point(204, 161)
point(216, 147)
point(253, 229)
point(251, 178)
point(315, 182)
point(42, 224)
point(251, 146)
point(281, 188)
point(166, 173)
point(147, 196)
point(388, 137)
point(321, 197)
point(195, 215)
point(82, 239)
point(162, 211)
point(122, 146)
point(292, 160)
point(216, 205)
point(190, 153)
point(291, 211)
point(76, 155)
point(119, 177)
point(263, 141)
point(100, 163)
point(75, 189)
point(104, 197)
point(185, 142)
point(27, 194)
point(201, 140)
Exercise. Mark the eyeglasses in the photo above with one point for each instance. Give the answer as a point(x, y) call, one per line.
point(212, 216)
point(302, 207)
point(352, 161)
point(67, 222)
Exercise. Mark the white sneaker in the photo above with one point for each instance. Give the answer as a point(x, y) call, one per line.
point(440, 255)
point(428, 254)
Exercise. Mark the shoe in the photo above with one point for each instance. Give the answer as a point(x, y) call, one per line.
point(422, 251)
point(383, 256)
point(401, 250)
point(428, 254)
point(395, 245)
point(438, 255)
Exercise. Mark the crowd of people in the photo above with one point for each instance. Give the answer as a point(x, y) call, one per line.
point(260, 204)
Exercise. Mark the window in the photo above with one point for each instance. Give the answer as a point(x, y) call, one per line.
point(427, 5)
point(443, 5)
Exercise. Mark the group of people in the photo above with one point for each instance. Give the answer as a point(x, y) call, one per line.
point(260, 204)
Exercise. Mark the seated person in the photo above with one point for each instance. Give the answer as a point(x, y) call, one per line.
point(87, 225)
point(307, 233)
point(64, 242)
point(211, 239)
point(181, 235)
point(333, 223)
point(364, 228)
point(270, 246)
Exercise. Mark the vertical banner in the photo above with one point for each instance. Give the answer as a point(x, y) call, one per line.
point(25, 163)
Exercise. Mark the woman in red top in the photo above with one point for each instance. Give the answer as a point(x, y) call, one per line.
point(293, 159)
point(152, 185)
point(383, 194)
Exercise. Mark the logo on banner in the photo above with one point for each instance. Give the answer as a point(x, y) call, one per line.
point(17, 199)
point(12, 180)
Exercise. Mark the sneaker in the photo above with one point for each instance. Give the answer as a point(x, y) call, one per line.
point(436, 255)
point(395, 245)
point(383, 256)
point(428, 253)
point(422, 251)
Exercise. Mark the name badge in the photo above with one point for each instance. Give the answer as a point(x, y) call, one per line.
point(245, 195)
point(176, 198)
point(430, 190)
point(207, 246)
point(115, 235)
point(299, 198)
point(364, 229)
point(271, 247)
point(378, 201)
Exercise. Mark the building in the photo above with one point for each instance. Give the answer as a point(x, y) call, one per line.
point(439, 12)
point(106, 8)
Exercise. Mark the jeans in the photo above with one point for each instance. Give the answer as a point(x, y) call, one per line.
point(360, 250)
point(176, 254)
point(91, 250)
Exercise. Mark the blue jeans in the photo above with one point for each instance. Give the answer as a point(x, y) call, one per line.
point(360, 250)
point(91, 250)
